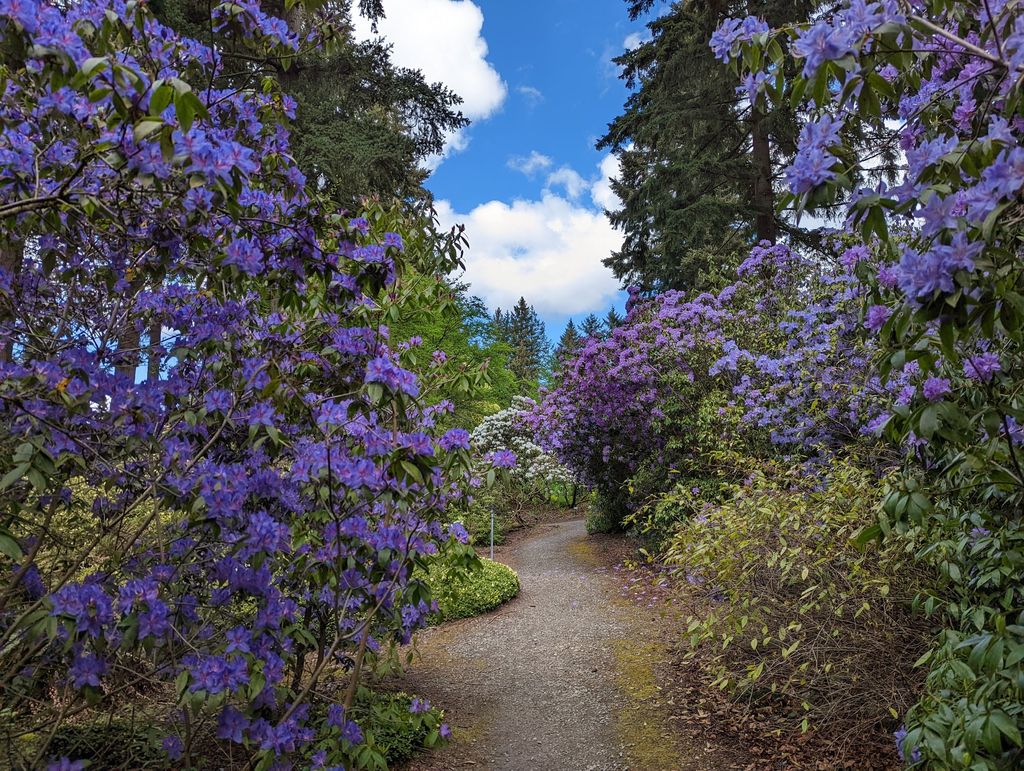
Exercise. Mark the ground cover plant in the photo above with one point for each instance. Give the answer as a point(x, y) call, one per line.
point(461, 593)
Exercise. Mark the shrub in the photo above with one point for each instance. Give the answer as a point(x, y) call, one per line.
point(110, 743)
point(461, 593)
point(603, 515)
point(796, 612)
point(396, 725)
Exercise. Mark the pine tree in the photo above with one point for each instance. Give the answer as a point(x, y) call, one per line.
point(612, 320)
point(568, 344)
point(363, 126)
point(524, 334)
point(697, 163)
point(592, 327)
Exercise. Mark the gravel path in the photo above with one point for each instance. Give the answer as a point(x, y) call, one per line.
point(562, 677)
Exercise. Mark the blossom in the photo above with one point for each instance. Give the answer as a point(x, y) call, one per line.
point(935, 388)
point(503, 458)
point(876, 317)
point(914, 754)
point(455, 439)
point(821, 42)
point(173, 747)
point(87, 669)
point(982, 366)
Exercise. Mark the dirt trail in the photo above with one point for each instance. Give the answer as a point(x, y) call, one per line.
point(562, 677)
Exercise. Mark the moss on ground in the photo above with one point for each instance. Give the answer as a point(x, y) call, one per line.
point(585, 551)
point(642, 725)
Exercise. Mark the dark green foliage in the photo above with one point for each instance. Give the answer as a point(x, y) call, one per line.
point(110, 743)
point(568, 344)
point(391, 729)
point(612, 320)
point(523, 332)
point(602, 516)
point(363, 126)
point(591, 327)
point(697, 165)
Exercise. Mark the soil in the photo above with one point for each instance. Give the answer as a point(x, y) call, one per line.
point(565, 676)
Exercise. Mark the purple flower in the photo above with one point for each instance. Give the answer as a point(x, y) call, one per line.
point(820, 43)
point(65, 764)
point(982, 366)
point(934, 388)
point(458, 531)
point(231, 725)
point(87, 669)
point(503, 458)
point(455, 439)
point(89, 606)
point(173, 747)
point(876, 317)
point(914, 755)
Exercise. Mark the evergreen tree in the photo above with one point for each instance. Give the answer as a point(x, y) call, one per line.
point(524, 334)
point(697, 163)
point(612, 320)
point(363, 126)
point(592, 327)
point(568, 344)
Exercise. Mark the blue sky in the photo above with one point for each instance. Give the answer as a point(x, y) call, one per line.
point(525, 178)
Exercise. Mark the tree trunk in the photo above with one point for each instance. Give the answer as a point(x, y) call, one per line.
point(763, 197)
point(153, 362)
point(11, 255)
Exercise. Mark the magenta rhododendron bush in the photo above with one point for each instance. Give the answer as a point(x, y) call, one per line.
point(216, 476)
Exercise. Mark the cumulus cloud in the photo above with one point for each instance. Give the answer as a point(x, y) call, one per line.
point(529, 164)
point(601, 191)
point(569, 180)
point(549, 250)
point(444, 40)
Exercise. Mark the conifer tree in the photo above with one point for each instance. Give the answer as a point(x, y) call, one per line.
point(698, 164)
point(568, 343)
point(363, 126)
point(592, 327)
point(524, 334)
point(612, 320)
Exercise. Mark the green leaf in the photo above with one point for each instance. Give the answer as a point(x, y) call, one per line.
point(147, 126)
point(867, 535)
point(160, 99)
point(1006, 726)
point(10, 547)
point(14, 475)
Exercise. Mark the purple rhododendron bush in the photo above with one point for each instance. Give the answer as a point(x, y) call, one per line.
point(895, 351)
point(217, 477)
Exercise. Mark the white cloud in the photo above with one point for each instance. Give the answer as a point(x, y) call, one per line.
point(601, 191)
point(569, 179)
point(634, 39)
point(443, 39)
point(532, 96)
point(548, 250)
point(529, 164)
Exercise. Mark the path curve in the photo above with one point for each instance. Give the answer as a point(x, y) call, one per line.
point(559, 678)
